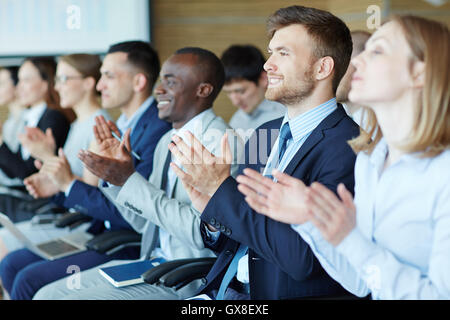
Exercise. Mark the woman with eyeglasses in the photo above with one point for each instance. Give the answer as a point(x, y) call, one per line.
point(393, 238)
point(75, 81)
point(35, 91)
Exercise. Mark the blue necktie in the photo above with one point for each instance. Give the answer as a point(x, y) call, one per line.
point(231, 271)
point(285, 135)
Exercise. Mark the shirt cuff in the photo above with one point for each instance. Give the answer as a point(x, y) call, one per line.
point(357, 248)
point(69, 188)
point(212, 235)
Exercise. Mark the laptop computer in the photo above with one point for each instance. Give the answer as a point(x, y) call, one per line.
point(52, 249)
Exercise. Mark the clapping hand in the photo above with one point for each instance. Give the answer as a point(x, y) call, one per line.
point(283, 201)
point(113, 163)
point(203, 170)
point(334, 217)
point(39, 144)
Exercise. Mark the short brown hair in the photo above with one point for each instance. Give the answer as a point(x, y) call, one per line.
point(86, 64)
point(329, 33)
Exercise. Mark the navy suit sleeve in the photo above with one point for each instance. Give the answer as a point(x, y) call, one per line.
point(275, 242)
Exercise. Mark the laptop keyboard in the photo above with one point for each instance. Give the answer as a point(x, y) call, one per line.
point(56, 247)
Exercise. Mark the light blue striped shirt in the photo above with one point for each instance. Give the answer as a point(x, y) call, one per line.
point(301, 127)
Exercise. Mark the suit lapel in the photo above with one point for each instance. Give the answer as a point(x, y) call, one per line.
point(206, 122)
point(314, 138)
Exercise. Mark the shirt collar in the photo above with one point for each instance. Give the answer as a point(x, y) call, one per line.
point(195, 124)
point(32, 116)
point(378, 156)
point(306, 122)
point(124, 124)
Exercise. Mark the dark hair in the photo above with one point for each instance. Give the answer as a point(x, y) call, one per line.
point(243, 62)
point(47, 70)
point(210, 67)
point(141, 55)
point(329, 34)
point(13, 73)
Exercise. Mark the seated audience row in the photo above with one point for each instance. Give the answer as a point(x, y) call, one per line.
point(292, 198)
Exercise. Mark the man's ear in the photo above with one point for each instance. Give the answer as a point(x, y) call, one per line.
point(418, 74)
point(324, 67)
point(139, 82)
point(204, 90)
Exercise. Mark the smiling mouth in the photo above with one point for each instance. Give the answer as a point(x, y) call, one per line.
point(273, 82)
point(163, 103)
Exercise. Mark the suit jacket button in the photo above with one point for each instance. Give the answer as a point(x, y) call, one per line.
point(222, 228)
point(213, 221)
point(204, 281)
point(228, 232)
point(228, 253)
point(217, 225)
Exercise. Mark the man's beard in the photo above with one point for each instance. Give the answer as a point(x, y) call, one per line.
point(293, 95)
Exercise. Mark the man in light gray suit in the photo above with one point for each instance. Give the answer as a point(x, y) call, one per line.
point(160, 208)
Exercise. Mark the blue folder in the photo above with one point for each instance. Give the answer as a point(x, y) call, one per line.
point(129, 273)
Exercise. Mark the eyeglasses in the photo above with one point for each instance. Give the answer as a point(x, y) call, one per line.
point(62, 79)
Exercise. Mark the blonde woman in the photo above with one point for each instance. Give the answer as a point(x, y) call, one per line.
point(393, 239)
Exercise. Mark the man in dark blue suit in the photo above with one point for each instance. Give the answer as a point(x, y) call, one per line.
point(260, 258)
point(129, 72)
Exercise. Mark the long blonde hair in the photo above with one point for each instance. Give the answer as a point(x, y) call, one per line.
point(430, 43)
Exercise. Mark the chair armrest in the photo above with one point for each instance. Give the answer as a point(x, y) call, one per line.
point(153, 275)
point(186, 273)
point(50, 207)
point(71, 220)
point(111, 241)
point(14, 192)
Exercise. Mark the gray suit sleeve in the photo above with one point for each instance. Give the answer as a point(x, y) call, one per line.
point(138, 222)
point(176, 217)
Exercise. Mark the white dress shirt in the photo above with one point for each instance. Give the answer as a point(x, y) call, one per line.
point(194, 125)
point(400, 247)
point(31, 119)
